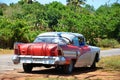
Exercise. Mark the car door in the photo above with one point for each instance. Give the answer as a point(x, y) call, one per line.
point(85, 49)
point(83, 59)
point(86, 53)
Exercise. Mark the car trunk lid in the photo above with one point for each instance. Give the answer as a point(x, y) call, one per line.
point(38, 49)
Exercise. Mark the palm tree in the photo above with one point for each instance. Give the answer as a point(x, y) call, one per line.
point(29, 1)
point(25, 1)
point(75, 2)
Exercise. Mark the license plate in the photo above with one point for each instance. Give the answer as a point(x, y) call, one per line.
point(36, 59)
point(43, 61)
point(26, 60)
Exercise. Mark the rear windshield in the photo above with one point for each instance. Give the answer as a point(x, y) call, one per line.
point(58, 40)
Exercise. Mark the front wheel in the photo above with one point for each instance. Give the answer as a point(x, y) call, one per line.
point(93, 66)
point(27, 67)
point(68, 68)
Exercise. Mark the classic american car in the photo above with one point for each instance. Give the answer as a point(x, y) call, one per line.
point(62, 50)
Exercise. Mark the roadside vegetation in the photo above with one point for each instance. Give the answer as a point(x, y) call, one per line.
point(108, 43)
point(23, 21)
point(6, 51)
point(110, 63)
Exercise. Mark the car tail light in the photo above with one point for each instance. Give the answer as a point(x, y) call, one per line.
point(59, 51)
point(16, 48)
point(52, 53)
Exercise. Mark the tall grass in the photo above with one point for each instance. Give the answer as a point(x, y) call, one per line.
point(6, 51)
point(110, 63)
point(112, 43)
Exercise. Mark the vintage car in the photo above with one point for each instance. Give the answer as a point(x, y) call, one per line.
point(62, 50)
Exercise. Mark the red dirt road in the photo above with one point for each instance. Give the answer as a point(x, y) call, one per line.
point(78, 74)
point(9, 71)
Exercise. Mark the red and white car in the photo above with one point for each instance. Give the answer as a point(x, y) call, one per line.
point(63, 50)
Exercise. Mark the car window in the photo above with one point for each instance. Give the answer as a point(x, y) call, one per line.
point(58, 40)
point(78, 41)
point(75, 41)
point(81, 41)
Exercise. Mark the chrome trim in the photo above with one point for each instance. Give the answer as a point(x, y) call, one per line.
point(39, 59)
point(70, 53)
point(16, 59)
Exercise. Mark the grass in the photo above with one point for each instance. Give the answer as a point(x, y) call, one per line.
point(110, 63)
point(118, 46)
point(107, 48)
point(102, 48)
point(6, 51)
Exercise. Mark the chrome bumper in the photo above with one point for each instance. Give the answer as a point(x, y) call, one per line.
point(38, 59)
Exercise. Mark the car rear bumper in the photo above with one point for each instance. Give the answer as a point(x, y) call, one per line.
point(60, 60)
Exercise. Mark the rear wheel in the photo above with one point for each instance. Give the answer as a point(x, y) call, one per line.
point(27, 67)
point(68, 68)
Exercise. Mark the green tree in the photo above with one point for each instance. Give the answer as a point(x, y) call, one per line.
point(22, 22)
point(89, 8)
point(1, 12)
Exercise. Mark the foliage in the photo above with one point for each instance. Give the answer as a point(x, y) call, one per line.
point(24, 20)
point(108, 43)
point(1, 12)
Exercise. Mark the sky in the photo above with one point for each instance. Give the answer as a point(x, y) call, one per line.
point(95, 3)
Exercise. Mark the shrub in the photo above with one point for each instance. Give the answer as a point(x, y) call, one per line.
point(108, 43)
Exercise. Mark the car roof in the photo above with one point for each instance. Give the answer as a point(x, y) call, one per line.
point(68, 35)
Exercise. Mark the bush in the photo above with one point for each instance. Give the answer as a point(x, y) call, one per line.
point(108, 43)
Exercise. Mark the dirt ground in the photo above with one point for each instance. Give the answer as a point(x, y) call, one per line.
point(78, 74)
point(9, 71)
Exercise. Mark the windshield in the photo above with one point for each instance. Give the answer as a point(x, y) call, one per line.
point(59, 40)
